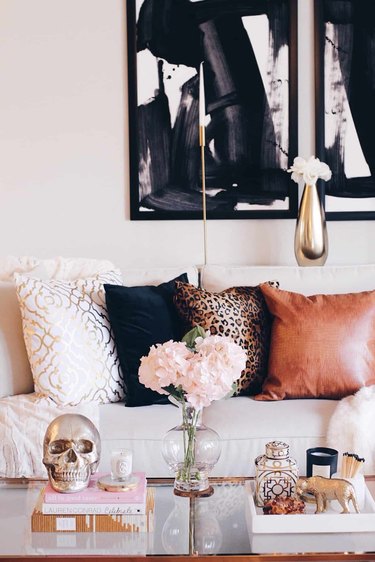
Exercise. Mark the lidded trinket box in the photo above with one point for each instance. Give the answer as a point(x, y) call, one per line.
point(276, 473)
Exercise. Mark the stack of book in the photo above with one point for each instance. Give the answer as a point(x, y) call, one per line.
point(95, 510)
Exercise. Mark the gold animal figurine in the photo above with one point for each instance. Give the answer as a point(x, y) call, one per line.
point(327, 489)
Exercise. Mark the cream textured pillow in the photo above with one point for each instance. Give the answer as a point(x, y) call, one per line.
point(69, 340)
point(15, 372)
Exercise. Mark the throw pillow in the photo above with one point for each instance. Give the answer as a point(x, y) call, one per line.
point(238, 312)
point(322, 346)
point(16, 376)
point(69, 340)
point(142, 317)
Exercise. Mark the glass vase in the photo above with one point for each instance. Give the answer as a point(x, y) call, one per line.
point(191, 450)
point(204, 536)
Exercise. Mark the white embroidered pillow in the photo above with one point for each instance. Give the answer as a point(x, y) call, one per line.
point(69, 340)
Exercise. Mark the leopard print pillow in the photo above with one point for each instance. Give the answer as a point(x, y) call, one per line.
point(240, 313)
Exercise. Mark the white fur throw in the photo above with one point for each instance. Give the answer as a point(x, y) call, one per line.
point(351, 427)
point(23, 423)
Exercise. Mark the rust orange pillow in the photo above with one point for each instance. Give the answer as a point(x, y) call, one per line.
point(322, 346)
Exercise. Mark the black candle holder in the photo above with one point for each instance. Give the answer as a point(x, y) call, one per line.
point(321, 461)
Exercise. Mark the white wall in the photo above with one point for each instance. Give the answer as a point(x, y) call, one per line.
point(64, 186)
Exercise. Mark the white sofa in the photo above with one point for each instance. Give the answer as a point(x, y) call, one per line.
point(245, 425)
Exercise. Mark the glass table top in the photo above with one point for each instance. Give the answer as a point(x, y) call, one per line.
point(217, 525)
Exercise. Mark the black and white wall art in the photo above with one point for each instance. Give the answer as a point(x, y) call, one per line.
point(248, 49)
point(345, 80)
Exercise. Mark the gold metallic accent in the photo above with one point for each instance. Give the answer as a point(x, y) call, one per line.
point(202, 136)
point(194, 493)
point(326, 489)
point(106, 483)
point(311, 239)
point(71, 452)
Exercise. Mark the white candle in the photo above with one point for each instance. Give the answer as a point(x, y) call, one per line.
point(121, 464)
point(202, 101)
point(319, 454)
point(321, 470)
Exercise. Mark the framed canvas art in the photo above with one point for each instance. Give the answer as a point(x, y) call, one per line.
point(248, 50)
point(345, 109)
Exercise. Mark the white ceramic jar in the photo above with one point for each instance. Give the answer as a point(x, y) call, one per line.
point(276, 473)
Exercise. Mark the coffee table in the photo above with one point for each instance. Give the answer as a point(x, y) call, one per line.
point(183, 527)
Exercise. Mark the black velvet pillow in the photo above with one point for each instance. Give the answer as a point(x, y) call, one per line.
point(141, 317)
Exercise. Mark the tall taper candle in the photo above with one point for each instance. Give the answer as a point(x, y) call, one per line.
point(202, 107)
point(202, 143)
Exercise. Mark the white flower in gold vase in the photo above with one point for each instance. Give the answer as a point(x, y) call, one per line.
point(309, 170)
point(311, 238)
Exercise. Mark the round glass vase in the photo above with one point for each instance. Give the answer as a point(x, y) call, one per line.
point(191, 450)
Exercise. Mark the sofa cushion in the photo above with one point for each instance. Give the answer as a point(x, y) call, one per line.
point(245, 427)
point(69, 339)
point(305, 280)
point(322, 346)
point(141, 317)
point(240, 313)
point(71, 269)
point(15, 372)
point(140, 429)
point(139, 276)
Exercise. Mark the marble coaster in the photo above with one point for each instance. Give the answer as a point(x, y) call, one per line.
point(110, 485)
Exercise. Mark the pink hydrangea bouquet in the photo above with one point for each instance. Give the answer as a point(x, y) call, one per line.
point(194, 372)
point(198, 370)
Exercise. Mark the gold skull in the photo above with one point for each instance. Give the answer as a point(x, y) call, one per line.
point(71, 452)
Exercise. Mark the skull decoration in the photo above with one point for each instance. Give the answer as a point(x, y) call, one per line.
point(71, 452)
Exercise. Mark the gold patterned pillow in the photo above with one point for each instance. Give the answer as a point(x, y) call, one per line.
point(69, 339)
point(240, 313)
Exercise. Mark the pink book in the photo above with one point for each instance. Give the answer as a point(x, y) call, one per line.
point(94, 495)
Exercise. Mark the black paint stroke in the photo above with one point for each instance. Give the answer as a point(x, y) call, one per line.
point(354, 45)
point(243, 149)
